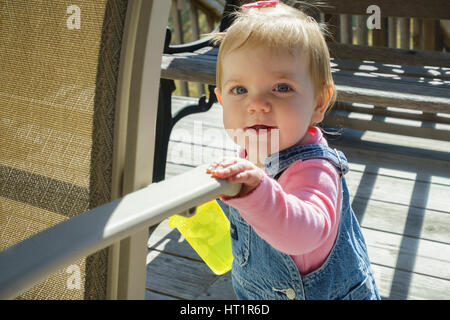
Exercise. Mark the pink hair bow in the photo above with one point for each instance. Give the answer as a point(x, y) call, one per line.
point(260, 4)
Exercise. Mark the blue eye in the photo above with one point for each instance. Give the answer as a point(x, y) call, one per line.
point(239, 90)
point(282, 88)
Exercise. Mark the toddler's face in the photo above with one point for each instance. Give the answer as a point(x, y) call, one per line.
point(269, 89)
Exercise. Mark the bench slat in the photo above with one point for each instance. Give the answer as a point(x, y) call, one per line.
point(389, 55)
point(430, 72)
point(431, 9)
point(361, 121)
point(351, 88)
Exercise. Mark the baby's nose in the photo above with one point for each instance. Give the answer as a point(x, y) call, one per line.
point(259, 104)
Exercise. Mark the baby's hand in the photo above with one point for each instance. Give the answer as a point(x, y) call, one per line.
point(237, 170)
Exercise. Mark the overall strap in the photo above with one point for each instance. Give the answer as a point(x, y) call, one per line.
point(277, 164)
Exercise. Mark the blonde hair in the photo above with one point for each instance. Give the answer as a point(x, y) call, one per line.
point(281, 27)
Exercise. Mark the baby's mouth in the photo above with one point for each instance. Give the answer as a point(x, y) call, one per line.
point(258, 127)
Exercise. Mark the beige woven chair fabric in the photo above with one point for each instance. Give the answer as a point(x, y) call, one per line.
point(57, 102)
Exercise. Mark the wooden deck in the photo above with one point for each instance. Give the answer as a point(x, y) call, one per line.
point(400, 191)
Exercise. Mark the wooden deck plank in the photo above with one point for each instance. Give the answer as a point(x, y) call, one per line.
point(408, 254)
point(397, 284)
point(400, 191)
point(177, 276)
point(392, 218)
point(400, 196)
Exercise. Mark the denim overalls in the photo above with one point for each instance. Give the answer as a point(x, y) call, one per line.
point(261, 272)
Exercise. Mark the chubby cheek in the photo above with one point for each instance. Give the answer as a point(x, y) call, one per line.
point(292, 132)
point(231, 119)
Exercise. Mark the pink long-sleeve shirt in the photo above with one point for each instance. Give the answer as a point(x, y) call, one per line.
point(298, 214)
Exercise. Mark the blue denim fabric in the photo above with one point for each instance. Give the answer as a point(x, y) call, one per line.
point(261, 272)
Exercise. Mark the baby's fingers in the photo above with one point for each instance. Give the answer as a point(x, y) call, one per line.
point(228, 171)
point(225, 162)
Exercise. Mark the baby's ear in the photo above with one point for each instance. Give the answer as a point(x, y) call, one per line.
point(218, 95)
point(322, 103)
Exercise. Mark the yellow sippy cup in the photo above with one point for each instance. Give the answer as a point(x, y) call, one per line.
point(208, 232)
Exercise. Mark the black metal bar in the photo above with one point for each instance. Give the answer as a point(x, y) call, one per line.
point(164, 124)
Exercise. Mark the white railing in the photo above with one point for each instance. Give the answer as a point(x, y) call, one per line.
point(33, 260)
